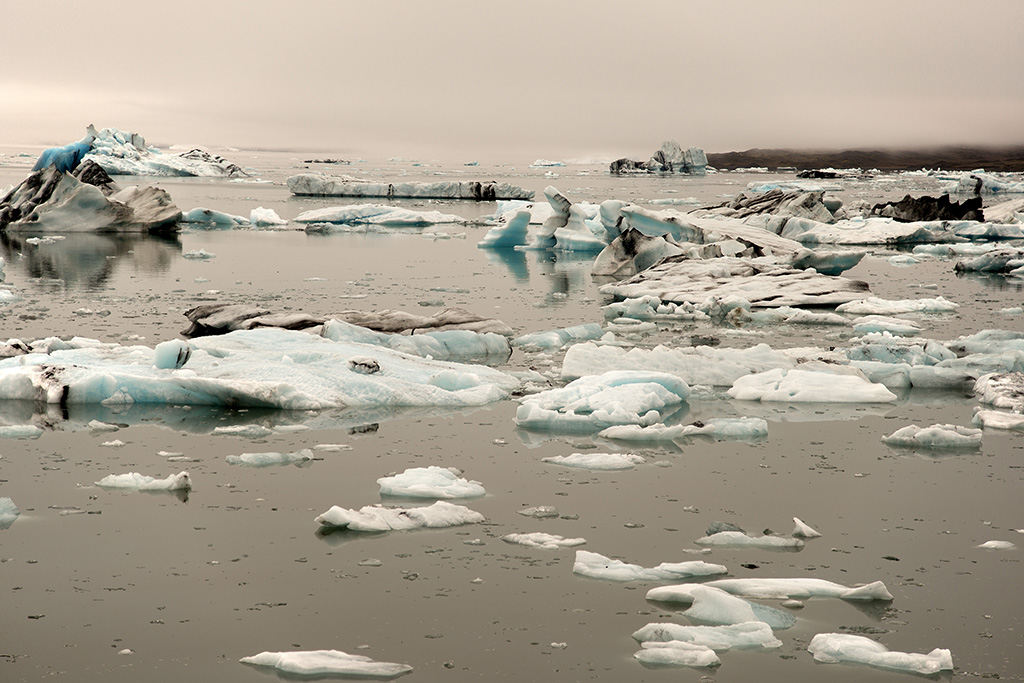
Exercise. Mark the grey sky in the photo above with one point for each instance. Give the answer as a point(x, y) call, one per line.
point(516, 80)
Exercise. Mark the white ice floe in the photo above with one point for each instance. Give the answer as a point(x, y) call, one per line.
point(597, 461)
point(376, 214)
point(327, 663)
point(997, 419)
point(724, 428)
point(439, 345)
point(321, 184)
point(877, 306)
point(379, 518)
point(124, 153)
point(936, 436)
point(597, 566)
point(590, 404)
point(133, 480)
point(250, 368)
point(783, 589)
point(801, 530)
point(542, 540)
point(832, 648)
point(738, 539)
point(556, 339)
point(862, 231)
point(20, 432)
point(511, 231)
point(245, 431)
point(802, 386)
point(997, 545)
point(261, 217)
point(204, 216)
point(430, 482)
point(976, 182)
point(676, 653)
point(882, 323)
point(714, 606)
point(749, 634)
point(1002, 390)
point(8, 512)
point(271, 459)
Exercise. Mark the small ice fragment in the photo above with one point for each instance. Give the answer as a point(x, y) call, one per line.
point(430, 482)
point(116, 443)
point(542, 540)
point(125, 651)
point(97, 426)
point(371, 562)
point(597, 461)
point(936, 436)
point(997, 545)
point(271, 459)
point(379, 518)
point(332, 447)
point(676, 653)
point(539, 512)
point(171, 355)
point(327, 663)
point(803, 531)
point(134, 480)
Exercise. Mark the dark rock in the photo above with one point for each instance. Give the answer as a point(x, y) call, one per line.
point(817, 174)
point(92, 173)
point(910, 209)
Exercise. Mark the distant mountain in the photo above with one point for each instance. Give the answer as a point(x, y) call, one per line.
point(946, 158)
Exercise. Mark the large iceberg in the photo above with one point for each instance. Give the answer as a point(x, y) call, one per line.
point(597, 566)
point(670, 158)
point(430, 482)
point(845, 647)
point(379, 518)
point(327, 663)
point(323, 185)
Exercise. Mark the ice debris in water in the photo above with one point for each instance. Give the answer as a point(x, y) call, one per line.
point(738, 428)
point(593, 403)
point(802, 386)
point(844, 647)
point(542, 540)
point(997, 545)
point(379, 518)
point(998, 419)
point(750, 634)
point(247, 431)
point(781, 589)
point(375, 214)
point(142, 482)
point(597, 461)
point(327, 663)
point(430, 482)
point(876, 306)
point(882, 323)
point(936, 436)
point(738, 539)
point(8, 512)
point(714, 606)
point(270, 459)
point(539, 512)
point(264, 218)
point(598, 566)
point(801, 530)
point(20, 432)
point(676, 653)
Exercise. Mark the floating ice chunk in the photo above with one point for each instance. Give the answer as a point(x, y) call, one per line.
point(546, 162)
point(262, 218)
point(997, 419)
point(676, 653)
point(936, 436)
point(592, 403)
point(379, 518)
point(877, 306)
point(376, 214)
point(539, 512)
point(327, 663)
point(556, 339)
point(20, 432)
point(597, 461)
point(439, 345)
point(1002, 390)
point(271, 459)
point(246, 431)
point(749, 634)
point(211, 217)
point(997, 545)
point(98, 426)
point(843, 647)
point(198, 255)
point(321, 184)
point(976, 182)
point(802, 386)
point(133, 480)
point(738, 539)
point(598, 566)
point(782, 589)
point(171, 355)
point(714, 606)
point(738, 428)
point(430, 482)
point(510, 232)
point(8, 512)
point(541, 540)
point(881, 323)
point(802, 530)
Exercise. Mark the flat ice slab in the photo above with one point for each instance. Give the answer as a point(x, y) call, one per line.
point(843, 647)
point(142, 482)
point(430, 482)
point(877, 306)
point(784, 589)
point(271, 459)
point(327, 663)
point(676, 653)
point(802, 386)
point(1002, 390)
point(738, 539)
point(597, 461)
point(936, 436)
point(597, 566)
point(321, 184)
point(724, 428)
point(380, 518)
point(749, 634)
point(542, 540)
point(376, 214)
point(998, 419)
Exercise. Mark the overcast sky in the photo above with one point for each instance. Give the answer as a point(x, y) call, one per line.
point(524, 79)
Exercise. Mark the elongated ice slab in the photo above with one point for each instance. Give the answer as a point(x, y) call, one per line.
point(997, 419)
point(936, 436)
point(20, 432)
point(320, 184)
point(749, 634)
point(597, 566)
point(877, 306)
point(542, 540)
point(997, 545)
point(714, 606)
point(376, 214)
point(380, 518)
point(844, 647)
point(327, 663)
point(142, 482)
point(738, 539)
point(597, 461)
point(676, 653)
point(738, 428)
point(783, 589)
point(430, 482)
point(802, 386)
point(271, 459)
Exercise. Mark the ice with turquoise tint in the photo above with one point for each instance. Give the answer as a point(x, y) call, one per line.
point(715, 607)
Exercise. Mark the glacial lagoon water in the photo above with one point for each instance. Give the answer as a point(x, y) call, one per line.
point(192, 583)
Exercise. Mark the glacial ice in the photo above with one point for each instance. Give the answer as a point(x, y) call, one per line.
point(936, 436)
point(430, 482)
point(376, 214)
point(320, 663)
point(20, 431)
point(215, 218)
point(597, 566)
point(379, 518)
point(882, 323)
point(877, 306)
point(676, 653)
point(802, 530)
point(142, 482)
point(123, 153)
point(321, 184)
point(251, 368)
point(997, 545)
point(844, 647)
point(510, 232)
point(542, 540)
point(724, 428)
point(1002, 390)
point(997, 419)
point(65, 158)
point(265, 218)
point(801, 589)
point(738, 539)
point(748, 634)
point(8, 512)
point(597, 461)
point(556, 339)
point(797, 386)
point(271, 459)
point(171, 355)
point(438, 345)
point(975, 183)
point(714, 606)
point(590, 404)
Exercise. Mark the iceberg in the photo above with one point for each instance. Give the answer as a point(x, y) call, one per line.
point(748, 634)
point(323, 185)
point(210, 217)
point(738, 539)
point(724, 428)
point(676, 653)
point(20, 431)
point(376, 214)
point(881, 323)
point(1002, 390)
point(863, 231)
point(556, 339)
point(976, 183)
point(801, 589)
point(510, 232)
point(133, 480)
point(265, 218)
point(714, 606)
point(670, 158)
point(597, 461)
point(844, 647)
point(936, 436)
point(995, 261)
point(877, 306)
point(67, 158)
point(321, 663)
point(801, 530)
point(590, 404)
point(997, 545)
point(802, 386)
point(123, 153)
point(300, 457)
point(8, 512)
point(542, 540)
point(430, 482)
point(379, 518)
point(997, 419)
point(911, 209)
point(595, 566)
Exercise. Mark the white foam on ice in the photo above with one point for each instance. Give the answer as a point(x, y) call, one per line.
point(844, 647)
point(597, 566)
point(430, 482)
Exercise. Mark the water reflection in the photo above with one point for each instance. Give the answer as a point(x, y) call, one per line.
point(87, 260)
